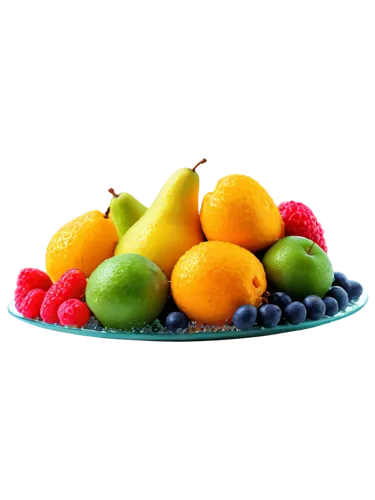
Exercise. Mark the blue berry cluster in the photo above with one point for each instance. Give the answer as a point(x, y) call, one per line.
point(281, 307)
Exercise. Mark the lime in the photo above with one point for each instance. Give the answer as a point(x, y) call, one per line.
point(127, 291)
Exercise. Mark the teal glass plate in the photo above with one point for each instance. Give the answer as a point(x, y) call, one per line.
point(93, 329)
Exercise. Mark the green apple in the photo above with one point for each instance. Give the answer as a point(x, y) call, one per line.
point(298, 267)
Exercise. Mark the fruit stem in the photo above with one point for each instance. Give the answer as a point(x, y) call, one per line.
point(265, 297)
point(309, 250)
point(201, 162)
point(106, 211)
point(111, 192)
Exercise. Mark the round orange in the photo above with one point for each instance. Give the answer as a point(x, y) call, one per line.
point(241, 211)
point(82, 243)
point(214, 278)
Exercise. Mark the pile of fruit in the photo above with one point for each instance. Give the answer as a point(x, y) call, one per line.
point(241, 261)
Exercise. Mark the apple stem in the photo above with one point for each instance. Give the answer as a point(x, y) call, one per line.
point(201, 162)
point(309, 250)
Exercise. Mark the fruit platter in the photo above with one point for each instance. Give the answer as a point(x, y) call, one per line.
point(240, 266)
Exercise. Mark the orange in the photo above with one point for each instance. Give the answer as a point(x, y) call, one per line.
point(240, 211)
point(214, 278)
point(82, 243)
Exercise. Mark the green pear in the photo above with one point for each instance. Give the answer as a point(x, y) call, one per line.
point(124, 210)
point(171, 226)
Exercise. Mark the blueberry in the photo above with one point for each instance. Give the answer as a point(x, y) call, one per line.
point(279, 299)
point(355, 290)
point(341, 280)
point(169, 307)
point(245, 317)
point(332, 306)
point(295, 313)
point(340, 295)
point(176, 320)
point(315, 307)
point(269, 315)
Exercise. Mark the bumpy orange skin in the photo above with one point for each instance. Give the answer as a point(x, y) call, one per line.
point(214, 278)
point(82, 243)
point(240, 211)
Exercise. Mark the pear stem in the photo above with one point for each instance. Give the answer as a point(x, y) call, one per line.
point(309, 250)
point(111, 192)
point(106, 211)
point(201, 162)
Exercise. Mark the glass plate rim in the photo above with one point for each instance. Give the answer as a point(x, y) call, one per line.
point(353, 308)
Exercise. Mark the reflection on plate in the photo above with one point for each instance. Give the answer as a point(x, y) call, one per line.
point(93, 329)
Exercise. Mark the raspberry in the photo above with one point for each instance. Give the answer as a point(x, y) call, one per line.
point(73, 312)
point(300, 220)
point(29, 279)
point(71, 285)
point(32, 303)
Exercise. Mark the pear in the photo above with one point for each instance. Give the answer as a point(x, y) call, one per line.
point(171, 226)
point(124, 210)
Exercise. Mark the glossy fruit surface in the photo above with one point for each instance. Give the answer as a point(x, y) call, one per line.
point(240, 211)
point(245, 317)
point(176, 321)
point(269, 315)
point(300, 220)
point(340, 295)
point(125, 210)
point(332, 306)
point(82, 243)
point(354, 289)
point(298, 267)
point(171, 226)
point(127, 291)
point(73, 312)
point(315, 307)
point(341, 279)
point(214, 278)
point(280, 299)
point(295, 313)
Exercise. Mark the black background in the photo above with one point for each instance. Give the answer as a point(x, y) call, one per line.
point(64, 145)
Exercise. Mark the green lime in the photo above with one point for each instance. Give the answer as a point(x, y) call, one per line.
point(127, 291)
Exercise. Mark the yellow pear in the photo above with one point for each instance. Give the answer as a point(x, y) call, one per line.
point(171, 226)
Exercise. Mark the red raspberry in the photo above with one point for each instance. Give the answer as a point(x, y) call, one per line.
point(32, 303)
point(74, 312)
point(29, 279)
point(71, 285)
point(300, 220)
